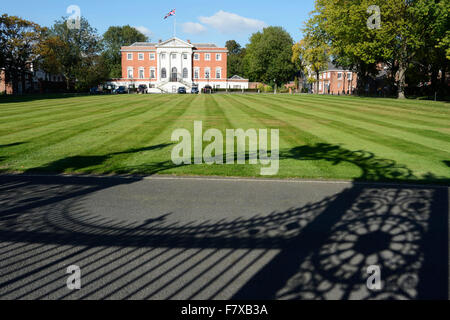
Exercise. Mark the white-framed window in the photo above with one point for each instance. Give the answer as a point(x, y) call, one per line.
point(339, 75)
point(329, 75)
point(349, 76)
point(196, 56)
point(152, 56)
point(163, 56)
point(218, 86)
point(339, 85)
point(141, 73)
point(218, 57)
point(185, 73)
point(129, 56)
point(130, 72)
point(218, 73)
point(207, 57)
point(236, 86)
point(207, 73)
point(140, 56)
point(320, 86)
point(174, 56)
point(152, 73)
point(185, 56)
point(163, 73)
point(196, 73)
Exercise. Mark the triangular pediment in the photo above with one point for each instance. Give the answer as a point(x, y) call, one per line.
point(174, 43)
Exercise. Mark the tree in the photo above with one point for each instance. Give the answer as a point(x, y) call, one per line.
point(236, 56)
point(268, 56)
point(115, 38)
point(404, 31)
point(311, 55)
point(70, 51)
point(18, 43)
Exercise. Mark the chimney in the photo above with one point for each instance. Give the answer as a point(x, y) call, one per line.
point(159, 41)
point(189, 41)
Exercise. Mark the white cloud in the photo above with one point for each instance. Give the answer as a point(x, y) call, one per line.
point(145, 31)
point(193, 28)
point(227, 22)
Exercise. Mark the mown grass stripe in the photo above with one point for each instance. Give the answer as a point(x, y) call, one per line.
point(428, 137)
point(370, 129)
point(60, 136)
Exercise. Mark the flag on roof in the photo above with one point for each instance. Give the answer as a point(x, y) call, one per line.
point(171, 13)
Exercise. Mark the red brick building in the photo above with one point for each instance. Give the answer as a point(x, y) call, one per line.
point(168, 65)
point(336, 80)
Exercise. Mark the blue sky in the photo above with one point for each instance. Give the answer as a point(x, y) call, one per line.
point(199, 21)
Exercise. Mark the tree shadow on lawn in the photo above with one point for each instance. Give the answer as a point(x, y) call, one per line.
point(83, 163)
point(324, 247)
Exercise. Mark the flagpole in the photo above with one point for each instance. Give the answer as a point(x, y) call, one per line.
point(175, 26)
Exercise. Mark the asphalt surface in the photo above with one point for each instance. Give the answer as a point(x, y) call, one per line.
point(207, 238)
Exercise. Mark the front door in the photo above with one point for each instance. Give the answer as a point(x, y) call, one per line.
point(174, 77)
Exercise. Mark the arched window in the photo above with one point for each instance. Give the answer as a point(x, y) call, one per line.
point(185, 73)
point(163, 73)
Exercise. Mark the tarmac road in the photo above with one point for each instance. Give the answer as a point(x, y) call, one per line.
point(215, 238)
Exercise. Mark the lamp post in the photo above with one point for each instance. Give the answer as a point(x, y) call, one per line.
point(275, 81)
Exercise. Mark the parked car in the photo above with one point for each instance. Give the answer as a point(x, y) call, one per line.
point(121, 90)
point(95, 90)
point(194, 90)
point(182, 90)
point(143, 89)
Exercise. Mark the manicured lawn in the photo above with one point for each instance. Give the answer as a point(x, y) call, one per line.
point(322, 137)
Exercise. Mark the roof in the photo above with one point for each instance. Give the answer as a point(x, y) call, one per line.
point(204, 45)
point(236, 77)
point(143, 44)
point(152, 45)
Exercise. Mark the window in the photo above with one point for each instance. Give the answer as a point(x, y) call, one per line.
point(339, 75)
point(320, 76)
point(349, 76)
point(218, 73)
point(236, 87)
point(185, 73)
point(207, 73)
point(174, 56)
point(141, 73)
point(184, 56)
point(130, 73)
point(163, 56)
point(129, 56)
point(329, 75)
point(196, 56)
point(207, 57)
point(140, 56)
point(152, 73)
point(152, 56)
point(339, 85)
point(163, 73)
point(218, 86)
point(196, 73)
point(218, 57)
